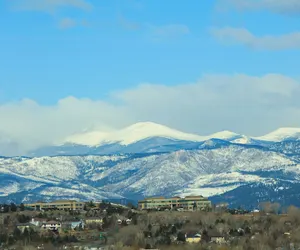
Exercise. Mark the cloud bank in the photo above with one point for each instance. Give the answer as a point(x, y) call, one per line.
point(267, 42)
point(241, 103)
point(286, 7)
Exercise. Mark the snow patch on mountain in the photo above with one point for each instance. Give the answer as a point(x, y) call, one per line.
point(243, 140)
point(68, 192)
point(214, 184)
point(9, 188)
point(207, 191)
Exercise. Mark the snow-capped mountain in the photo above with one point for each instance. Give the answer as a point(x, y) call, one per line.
point(138, 138)
point(142, 131)
point(132, 134)
point(149, 137)
point(46, 178)
point(213, 171)
point(145, 130)
point(281, 134)
point(148, 159)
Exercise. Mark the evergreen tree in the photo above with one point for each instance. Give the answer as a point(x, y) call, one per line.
point(17, 233)
point(173, 230)
point(22, 207)
point(13, 207)
point(181, 236)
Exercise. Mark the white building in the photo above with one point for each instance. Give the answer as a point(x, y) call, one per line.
point(51, 225)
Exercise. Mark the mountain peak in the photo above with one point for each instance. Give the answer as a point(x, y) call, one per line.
point(145, 125)
point(225, 134)
point(287, 130)
point(144, 130)
point(281, 134)
point(131, 134)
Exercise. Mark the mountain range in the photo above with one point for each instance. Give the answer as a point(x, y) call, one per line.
point(148, 159)
point(148, 137)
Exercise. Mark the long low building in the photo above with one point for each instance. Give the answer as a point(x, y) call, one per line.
point(59, 204)
point(188, 203)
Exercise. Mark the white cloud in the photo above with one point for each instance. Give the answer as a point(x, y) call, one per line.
point(244, 104)
point(287, 7)
point(267, 42)
point(50, 5)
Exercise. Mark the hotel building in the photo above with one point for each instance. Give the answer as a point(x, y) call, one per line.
point(188, 203)
point(59, 204)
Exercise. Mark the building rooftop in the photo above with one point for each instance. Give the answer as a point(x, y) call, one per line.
point(193, 234)
point(61, 201)
point(52, 222)
point(38, 219)
point(24, 224)
point(155, 198)
point(194, 196)
point(51, 202)
point(93, 218)
point(176, 198)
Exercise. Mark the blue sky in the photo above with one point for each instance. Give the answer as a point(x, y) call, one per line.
point(61, 53)
point(46, 62)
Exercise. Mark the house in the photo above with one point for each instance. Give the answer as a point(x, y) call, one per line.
point(193, 237)
point(23, 226)
point(73, 224)
point(96, 220)
point(123, 219)
point(51, 225)
point(216, 237)
point(37, 221)
point(223, 206)
point(77, 224)
point(287, 234)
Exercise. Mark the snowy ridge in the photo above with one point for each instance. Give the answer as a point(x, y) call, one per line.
point(148, 159)
point(131, 134)
point(143, 130)
point(224, 135)
point(149, 137)
point(281, 134)
point(210, 172)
